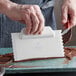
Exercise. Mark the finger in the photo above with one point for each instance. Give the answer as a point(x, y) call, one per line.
point(28, 22)
point(64, 14)
point(39, 31)
point(35, 23)
point(41, 20)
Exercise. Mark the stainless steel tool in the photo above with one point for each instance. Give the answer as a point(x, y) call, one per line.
point(67, 33)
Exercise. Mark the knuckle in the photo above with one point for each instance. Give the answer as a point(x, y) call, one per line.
point(30, 7)
point(36, 7)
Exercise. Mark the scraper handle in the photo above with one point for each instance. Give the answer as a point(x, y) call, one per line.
point(47, 32)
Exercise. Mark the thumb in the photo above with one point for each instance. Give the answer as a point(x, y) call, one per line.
point(64, 15)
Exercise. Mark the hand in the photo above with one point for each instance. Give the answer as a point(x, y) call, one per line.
point(30, 15)
point(69, 8)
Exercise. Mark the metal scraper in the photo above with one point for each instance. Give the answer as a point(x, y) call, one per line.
point(67, 36)
point(67, 33)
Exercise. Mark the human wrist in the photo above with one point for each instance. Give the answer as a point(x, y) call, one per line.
point(5, 6)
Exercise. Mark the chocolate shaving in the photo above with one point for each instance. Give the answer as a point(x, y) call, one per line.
point(6, 58)
point(68, 52)
point(67, 37)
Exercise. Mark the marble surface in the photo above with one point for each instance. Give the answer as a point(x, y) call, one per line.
point(38, 66)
